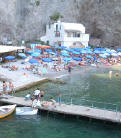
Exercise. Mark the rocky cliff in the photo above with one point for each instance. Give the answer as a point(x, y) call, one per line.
point(26, 19)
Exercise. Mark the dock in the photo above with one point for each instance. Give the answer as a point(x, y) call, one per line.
point(65, 109)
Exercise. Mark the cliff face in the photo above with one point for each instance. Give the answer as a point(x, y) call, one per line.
point(26, 19)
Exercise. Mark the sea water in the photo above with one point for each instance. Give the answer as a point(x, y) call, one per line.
point(82, 87)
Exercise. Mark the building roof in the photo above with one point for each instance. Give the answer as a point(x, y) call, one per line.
point(5, 49)
point(74, 26)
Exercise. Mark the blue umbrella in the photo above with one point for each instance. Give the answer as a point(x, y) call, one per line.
point(88, 47)
point(59, 47)
point(89, 52)
point(22, 55)
point(103, 56)
point(67, 59)
point(88, 56)
point(76, 53)
point(64, 51)
point(29, 52)
point(77, 49)
point(38, 51)
point(119, 50)
point(65, 54)
point(97, 52)
point(33, 61)
point(77, 58)
point(36, 54)
point(46, 59)
point(48, 50)
point(83, 52)
point(69, 50)
point(10, 57)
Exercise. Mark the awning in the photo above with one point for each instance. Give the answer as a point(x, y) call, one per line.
point(5, 49)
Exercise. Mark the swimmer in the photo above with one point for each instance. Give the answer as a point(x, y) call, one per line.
point(110, 74)
point(117, 74)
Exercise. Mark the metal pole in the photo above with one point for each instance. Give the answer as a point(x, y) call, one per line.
point(116, 112)
point(71, 101)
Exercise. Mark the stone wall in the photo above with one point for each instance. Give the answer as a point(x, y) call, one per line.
point(26, 19)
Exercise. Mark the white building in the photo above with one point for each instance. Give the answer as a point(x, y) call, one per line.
point(66, 34)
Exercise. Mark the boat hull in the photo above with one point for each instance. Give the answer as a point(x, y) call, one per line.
point(7, 113)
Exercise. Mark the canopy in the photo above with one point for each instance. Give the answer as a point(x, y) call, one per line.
point(88, 56)
point(77, 58)
point(48, 50)
point(29, 52)
point(5, 49)
point(10, 57)
point(119, 50)
point(46, 59)
point(76, 53)
point(32, 61)
point(22, 55)
point(103, 56)
point(65, 54)
point(67, 59)
point(43, 47)
point(36, 54)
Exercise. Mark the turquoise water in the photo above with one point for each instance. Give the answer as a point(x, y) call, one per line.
point(90, 84)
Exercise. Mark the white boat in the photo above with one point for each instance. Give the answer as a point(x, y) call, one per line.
point(26, 111)
point(7, 110)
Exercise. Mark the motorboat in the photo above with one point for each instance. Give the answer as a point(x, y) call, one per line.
point(7, 110)
point(26, 111)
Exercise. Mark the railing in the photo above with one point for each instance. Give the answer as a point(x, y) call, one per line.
point(99, 105)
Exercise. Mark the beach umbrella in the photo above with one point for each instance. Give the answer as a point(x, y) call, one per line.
point(67, 59)
point(46, 59)
point(22, 55)
point(89, 52)
point(76, 53)
point(29, 52)
point(97, 52)
point(114, 54)
point(77, 58)
point(107, 54)
point(48, 50)
point(65, 54)
point(58, 47)
point(33, 61)
point(38, 51)
point(99, 49)
point(63, 47)
point(35, 54)
point(88, 47)
point(88, 56)
point(69, 50)
point(53, 53)
point(10, 57)
point(64, 51)
point(43, 47)
point(83, 52)
point(119, 50)
point(119, 53)
point(77, 49)
point(103, 56)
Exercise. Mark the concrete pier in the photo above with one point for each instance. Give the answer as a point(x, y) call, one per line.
point(76, 110)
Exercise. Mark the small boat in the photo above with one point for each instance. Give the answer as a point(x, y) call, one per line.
point(26, 111)
point(7, 110)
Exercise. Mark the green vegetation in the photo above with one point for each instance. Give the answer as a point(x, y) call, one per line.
point(37, 3)
point(56, 16)
point(36, 41)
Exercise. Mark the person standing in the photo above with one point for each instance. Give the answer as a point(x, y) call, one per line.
point(59, 98)
point(11, 87)
point(69, 68)
point(4, 87)
point(42, 95)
